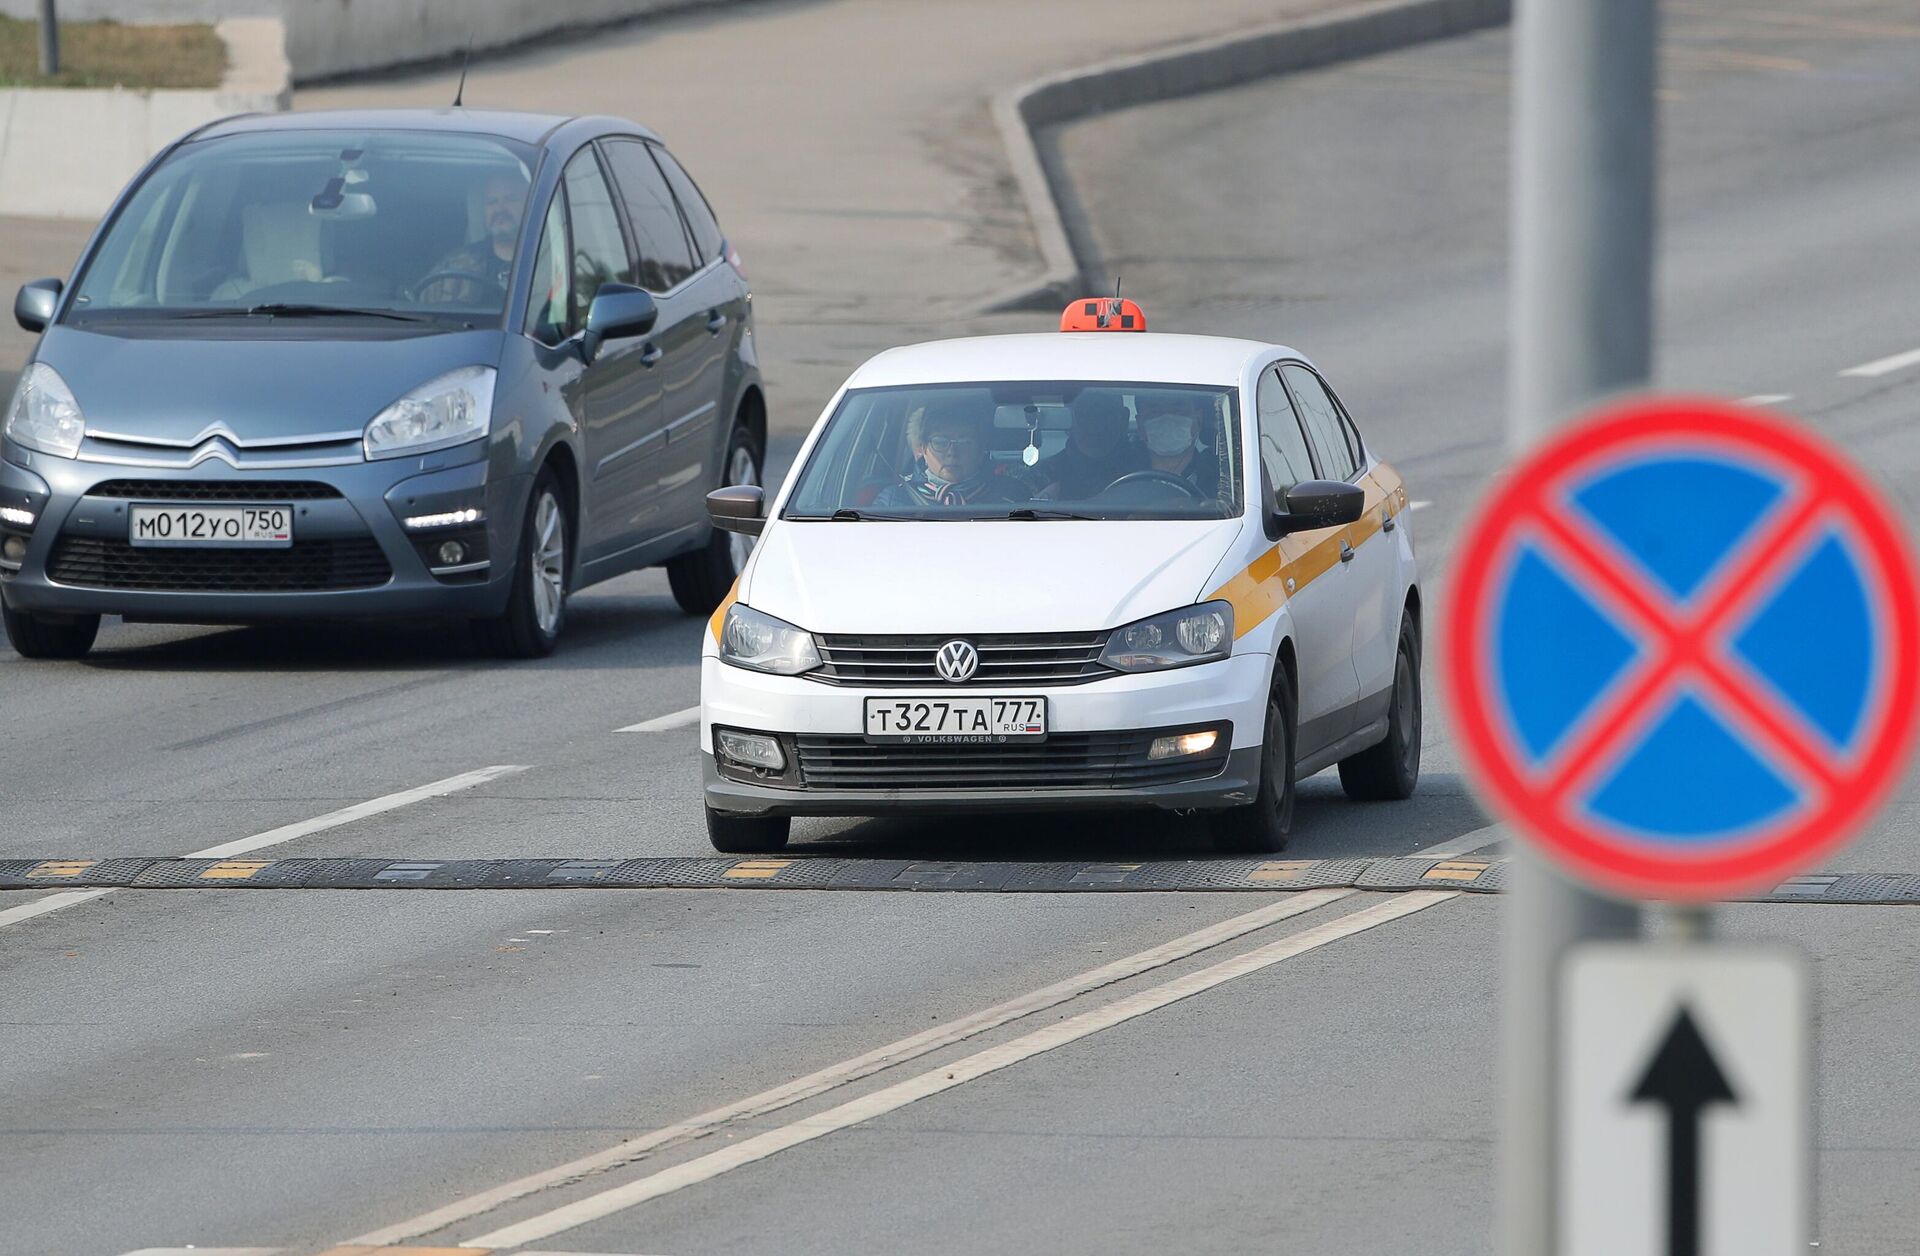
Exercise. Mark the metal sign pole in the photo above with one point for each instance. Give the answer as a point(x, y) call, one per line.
point(49, 40)
point(1583, 171)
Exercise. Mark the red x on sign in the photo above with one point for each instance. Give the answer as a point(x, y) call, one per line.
point(1685, 648)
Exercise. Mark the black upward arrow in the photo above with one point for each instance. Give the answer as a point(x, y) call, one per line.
point(1684, 1077)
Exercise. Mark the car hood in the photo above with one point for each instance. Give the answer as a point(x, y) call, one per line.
point(1052, 576)
point(175, 389)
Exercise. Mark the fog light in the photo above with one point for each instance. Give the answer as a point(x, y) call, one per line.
point(14, 549)
point(446, 519)
point(753, 750)
point(1183, 744)
point(15, 516)
point(451, 553)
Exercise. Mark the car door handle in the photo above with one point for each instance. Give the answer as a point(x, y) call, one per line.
point(1346, 552)
point(715, 321)
point(651, 354)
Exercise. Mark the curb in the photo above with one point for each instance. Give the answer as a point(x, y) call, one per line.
point(1186, 70)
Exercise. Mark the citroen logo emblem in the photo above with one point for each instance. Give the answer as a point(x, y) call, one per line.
point(957, 661)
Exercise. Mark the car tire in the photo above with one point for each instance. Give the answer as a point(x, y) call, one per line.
point(701, 579)
point(1388, 770)
point(537, 603)
point(733, 834)
point(35, 638)
point(1262, 827)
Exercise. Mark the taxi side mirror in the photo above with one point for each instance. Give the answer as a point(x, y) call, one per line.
point(738, 508)
point(1321, 504)
point(34, 304)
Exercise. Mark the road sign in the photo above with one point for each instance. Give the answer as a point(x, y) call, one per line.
point(1684, 647)
point(1684, 1101)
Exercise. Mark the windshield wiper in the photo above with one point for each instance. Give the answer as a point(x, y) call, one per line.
point(1030, 514)
point(292, 309)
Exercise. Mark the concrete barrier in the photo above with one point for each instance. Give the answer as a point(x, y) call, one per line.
point(67, 152)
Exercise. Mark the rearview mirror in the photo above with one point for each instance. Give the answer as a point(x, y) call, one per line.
point(1321, 504)
point(619, 311)
point(738, 508)
point(34, 304)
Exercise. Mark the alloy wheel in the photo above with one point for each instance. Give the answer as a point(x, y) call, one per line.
point(549, 563)
point(740, 470)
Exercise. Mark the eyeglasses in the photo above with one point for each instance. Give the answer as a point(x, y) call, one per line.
point(944, 445)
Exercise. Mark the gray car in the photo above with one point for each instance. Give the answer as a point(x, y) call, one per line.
point(378, 364)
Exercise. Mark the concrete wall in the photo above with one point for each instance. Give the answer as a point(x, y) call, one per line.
point(330, 37)
point(67, 152)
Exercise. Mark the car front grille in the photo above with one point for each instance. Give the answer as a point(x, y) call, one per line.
point(304, 567)
point(1115, 760)
point(1006, 659)
point(215, 490)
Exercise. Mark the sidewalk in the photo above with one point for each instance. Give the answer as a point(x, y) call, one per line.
point(846, 144)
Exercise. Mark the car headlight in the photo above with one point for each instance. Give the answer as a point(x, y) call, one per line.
point(1193, 634)
point(44, 415)
point(765, 644)
point(451, 410)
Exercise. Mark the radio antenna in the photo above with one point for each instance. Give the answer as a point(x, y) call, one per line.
point(466, 59)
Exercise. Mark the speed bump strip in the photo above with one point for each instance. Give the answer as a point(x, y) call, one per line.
point(800, 872)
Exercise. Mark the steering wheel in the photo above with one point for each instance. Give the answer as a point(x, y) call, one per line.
point(1156, 477)
point(465, 276)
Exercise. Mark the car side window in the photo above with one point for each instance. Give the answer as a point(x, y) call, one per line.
point(1283, 448)
point(666, 256)
point(599, 246)
point(548, 302)
point(1322, 420)
point(707, 237)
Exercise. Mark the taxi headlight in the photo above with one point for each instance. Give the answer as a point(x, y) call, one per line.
point(451, 410)
point(1194, 634)
point(44, 415)
point(762, 643)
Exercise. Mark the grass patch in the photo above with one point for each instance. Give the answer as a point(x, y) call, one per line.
point(109, 54)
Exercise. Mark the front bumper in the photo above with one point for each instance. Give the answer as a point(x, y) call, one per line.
point(1107, 723)
point(352, 556)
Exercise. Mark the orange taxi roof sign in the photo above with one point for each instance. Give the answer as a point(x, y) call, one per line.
point(1103, 314)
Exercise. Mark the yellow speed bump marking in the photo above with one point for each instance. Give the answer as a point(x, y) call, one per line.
point(57, 869)
point(1456, 870)
point(234, 869)
point(756, 869)
point(1281, 870)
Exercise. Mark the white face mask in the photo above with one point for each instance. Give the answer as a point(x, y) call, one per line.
point(1168, 434)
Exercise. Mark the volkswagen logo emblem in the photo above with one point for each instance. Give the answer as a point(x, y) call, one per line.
point(957, 661)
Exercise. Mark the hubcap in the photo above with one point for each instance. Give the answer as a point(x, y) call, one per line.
point(549, 563)
point(740, 470)
point(1406, 706)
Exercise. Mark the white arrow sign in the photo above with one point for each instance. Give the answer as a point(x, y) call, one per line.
point(1683, 1087)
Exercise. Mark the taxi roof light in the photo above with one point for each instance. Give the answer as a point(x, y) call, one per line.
point(1103, 314)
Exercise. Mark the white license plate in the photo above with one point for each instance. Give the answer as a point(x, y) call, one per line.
point(948, 720)
point(247, 527)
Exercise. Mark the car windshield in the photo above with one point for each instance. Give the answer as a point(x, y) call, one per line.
point(311, 223)
point(1030, 450)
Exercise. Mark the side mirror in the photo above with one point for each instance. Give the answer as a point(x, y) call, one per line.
point(619, 311)
point(739, 508)
point(34, 304)
point(1321, 504)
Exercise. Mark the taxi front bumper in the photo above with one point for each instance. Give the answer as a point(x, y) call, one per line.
point(1096, 754)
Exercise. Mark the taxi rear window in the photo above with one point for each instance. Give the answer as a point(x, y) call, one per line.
point(1038, 450)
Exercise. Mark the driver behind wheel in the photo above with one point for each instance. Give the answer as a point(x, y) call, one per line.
point(489, 259)
point(949, 442)
point(1097, 451)
point(1171, 422)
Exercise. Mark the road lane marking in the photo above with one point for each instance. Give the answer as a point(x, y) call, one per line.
point(286, 833)
point(1885, 366)
point(948, 1076)
point(1766, 399)
point(1418, 505)
point(895, 1053)
point(661, 723)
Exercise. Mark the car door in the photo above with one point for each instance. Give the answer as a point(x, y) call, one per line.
point(1367, 556)
point(622, 389)
point(1317, 581)
point(691, 366)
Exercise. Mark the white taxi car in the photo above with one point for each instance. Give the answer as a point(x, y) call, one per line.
point(1085, 569)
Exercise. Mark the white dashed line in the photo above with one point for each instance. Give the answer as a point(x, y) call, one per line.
point(1885, 366)
point(1418, 505)
point(661, 723)
point(1766, 399)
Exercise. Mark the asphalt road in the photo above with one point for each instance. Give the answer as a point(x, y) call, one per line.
point(302, 1068)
